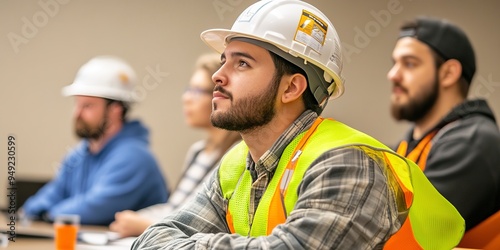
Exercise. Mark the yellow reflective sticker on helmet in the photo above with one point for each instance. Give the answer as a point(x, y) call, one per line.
point(311, 31)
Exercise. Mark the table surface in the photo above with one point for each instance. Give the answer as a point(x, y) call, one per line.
point(47, 243)
point(39, 235)
point(23, 243)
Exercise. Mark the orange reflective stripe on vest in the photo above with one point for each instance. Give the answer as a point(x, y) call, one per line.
point(420, 152)
point(403, 239)
point(277, 206)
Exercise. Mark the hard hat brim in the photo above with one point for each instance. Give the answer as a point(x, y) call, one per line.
point(82, 90)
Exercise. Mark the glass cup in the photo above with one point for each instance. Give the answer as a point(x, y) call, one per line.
point(66, 231)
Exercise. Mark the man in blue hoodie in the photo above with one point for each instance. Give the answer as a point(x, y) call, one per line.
point(112, 169)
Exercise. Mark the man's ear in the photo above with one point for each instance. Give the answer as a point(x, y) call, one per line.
point(296, 84)
point(450, 72)
point(115, 110)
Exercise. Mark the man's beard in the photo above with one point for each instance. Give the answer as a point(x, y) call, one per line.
point(86, 131)
point(417, 107)
point(248, 113)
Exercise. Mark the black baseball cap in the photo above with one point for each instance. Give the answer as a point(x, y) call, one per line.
point(446, 39)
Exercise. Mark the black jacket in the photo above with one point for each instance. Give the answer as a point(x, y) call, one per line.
point(464, 161)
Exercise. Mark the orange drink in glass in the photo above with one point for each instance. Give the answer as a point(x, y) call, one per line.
point(66, 231)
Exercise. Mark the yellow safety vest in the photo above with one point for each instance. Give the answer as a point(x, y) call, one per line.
point(432, 222)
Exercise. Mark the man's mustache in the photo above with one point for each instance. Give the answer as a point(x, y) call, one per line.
point(223, 91)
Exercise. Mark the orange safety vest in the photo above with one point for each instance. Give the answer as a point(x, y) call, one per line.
point(432, 222)
point(420, 152)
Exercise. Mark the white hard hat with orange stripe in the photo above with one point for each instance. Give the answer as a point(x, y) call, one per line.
point(104, 76)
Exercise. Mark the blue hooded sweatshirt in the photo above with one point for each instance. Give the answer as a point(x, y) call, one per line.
point(123, 175)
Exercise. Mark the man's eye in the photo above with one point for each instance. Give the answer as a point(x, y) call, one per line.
point(410, 64)
point(243, 63)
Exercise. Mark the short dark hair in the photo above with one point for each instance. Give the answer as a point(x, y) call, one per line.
point(284, 67)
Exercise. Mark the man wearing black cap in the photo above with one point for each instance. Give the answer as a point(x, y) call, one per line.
point(454, 140)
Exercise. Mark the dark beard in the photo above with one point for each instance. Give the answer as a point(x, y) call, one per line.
point(417, 108)
point(85, 131)
point(248, 113)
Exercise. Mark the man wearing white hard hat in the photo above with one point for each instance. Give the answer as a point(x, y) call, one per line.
point(297, 180)
point(112, 169)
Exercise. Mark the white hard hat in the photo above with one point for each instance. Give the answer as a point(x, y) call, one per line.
point(104, 76)
point(303, 34)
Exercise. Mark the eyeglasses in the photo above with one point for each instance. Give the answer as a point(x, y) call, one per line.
point(198, 91)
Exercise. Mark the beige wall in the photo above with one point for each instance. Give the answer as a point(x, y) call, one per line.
point(44, 42)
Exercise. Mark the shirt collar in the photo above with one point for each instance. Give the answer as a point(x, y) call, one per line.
point(270, 159)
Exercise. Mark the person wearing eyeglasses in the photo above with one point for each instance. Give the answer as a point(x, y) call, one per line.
point(298, 180)
point(200, 159)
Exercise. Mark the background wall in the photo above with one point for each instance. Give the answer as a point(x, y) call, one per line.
point(44, 42)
